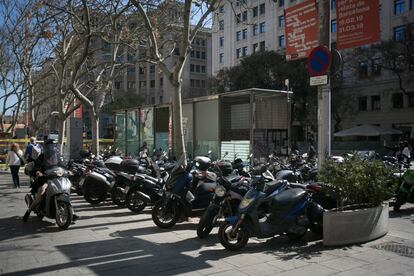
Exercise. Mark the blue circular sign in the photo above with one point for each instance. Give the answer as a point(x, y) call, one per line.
point(319, 61)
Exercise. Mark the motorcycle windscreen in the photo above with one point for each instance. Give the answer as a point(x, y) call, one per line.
point(50, 157)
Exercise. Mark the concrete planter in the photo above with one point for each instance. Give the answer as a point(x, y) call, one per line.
point(355, 226)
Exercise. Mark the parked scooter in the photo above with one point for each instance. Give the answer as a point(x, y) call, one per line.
point(406, 191)
point(178, 200)
point(272, 212)
point(56, 203)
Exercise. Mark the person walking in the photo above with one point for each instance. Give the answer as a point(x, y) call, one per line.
point(14, 160)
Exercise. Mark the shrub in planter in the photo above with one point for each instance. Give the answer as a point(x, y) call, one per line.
point(360, 187)
point(358, 183)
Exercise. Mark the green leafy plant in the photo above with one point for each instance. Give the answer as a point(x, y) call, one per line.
point(357, 182)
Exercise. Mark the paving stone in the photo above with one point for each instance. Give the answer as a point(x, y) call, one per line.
point(232, 272)
point(312, 269)
point(357, 272)
point(344, 263)
point(260, 269)
point(288, 264)
point(243, 260)
point(388, 267)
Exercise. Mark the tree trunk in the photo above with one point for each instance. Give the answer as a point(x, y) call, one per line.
point(178, 136)
point(95, 133)
point(61, 137)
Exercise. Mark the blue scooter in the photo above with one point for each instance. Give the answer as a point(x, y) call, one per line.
point(264, 213)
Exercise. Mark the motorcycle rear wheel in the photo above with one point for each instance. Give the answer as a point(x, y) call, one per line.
point(236, 242)
point(94, 195)
point(134, 203)
point(165, 218)
point(64, 214)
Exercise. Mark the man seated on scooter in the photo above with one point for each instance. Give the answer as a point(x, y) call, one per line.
point(47, 160)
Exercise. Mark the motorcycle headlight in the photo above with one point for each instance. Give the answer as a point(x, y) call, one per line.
point(220, 191)
point(245, 202)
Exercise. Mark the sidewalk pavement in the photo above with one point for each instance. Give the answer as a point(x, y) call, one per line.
point(109, 240)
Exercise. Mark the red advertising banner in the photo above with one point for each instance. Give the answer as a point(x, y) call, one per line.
point(78, 113)
point(302, 30)
point(358, 23)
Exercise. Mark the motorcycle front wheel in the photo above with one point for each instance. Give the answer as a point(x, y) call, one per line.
point(205, 225)
point(118, 196)
point(163, 216)
point(134, 202)
point(64, 214)
point(233, 241)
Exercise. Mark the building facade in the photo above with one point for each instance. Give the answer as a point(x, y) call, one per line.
point(241, 28)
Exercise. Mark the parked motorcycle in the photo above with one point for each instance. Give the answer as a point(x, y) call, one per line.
point(56, 203)
point(406, 190)
point(272, 212)
point(180, 199)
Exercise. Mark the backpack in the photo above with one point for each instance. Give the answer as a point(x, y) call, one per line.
point(36, 151)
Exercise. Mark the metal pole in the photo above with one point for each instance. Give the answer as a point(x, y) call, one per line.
point(324, 91)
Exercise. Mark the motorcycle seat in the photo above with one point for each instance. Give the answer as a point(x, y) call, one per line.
point(288, 197)
point(153, 179)
point(272, 186)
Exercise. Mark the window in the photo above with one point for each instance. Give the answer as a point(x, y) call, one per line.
point(131, 70)
point(203, 42)
point(152, 83)
point(255, 47)
point(282, 43)
point(191, 67)
point(117, 85)
point(203, 84)
point(192, 83)
point(203, 69)
point(221, 58)
point(152, 69)
point(161, 81)
point(142, 84)
point(362, 103)
point(255, 11)
point(141, 71)
point(221, 25)
point(333, 5)
point(197, 68)
point(262, 27)
point(375, 102)
point(281, 21)
point(238, 52)
point(244, 17)
point(376, 67)
point(221, 9)
point(238, 36)
point(262, 45)
point(244, 51)
point(255, 29)
point(244, 34)
point(281, 3)
point(411, 99)
point(399, 6)
point(198, 54)
point(131, 84)
point(363, 70)
point(399, 33)
point(192, 54)
point(333, 26)
point(197, 83)
point(203, 55)
point(398, 100)
point(262, 8)
point(221, 41)
point(238, 18)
